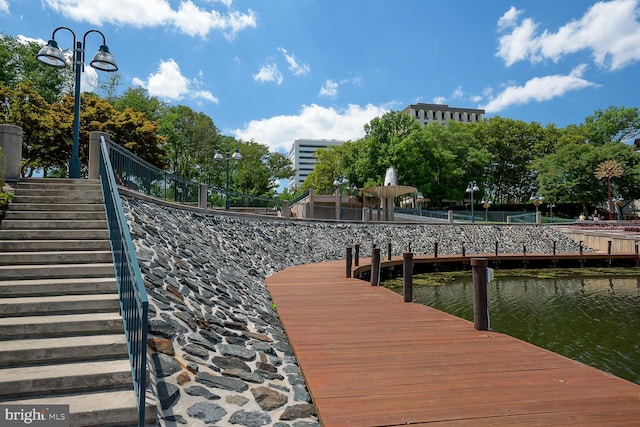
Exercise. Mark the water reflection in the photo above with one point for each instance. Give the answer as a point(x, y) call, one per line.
point(593, 320)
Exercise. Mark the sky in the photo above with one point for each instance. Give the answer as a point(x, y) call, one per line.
point(279, 70)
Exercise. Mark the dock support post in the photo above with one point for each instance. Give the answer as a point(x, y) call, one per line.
point(464, 250)
point(480, 309)
point(375, 266)
point(435, 249)
point(356, 261)
point(554, 247)
point(407, 276)
point(389, 251)
point(581, 247)
point(497, 243)
point(349, 260)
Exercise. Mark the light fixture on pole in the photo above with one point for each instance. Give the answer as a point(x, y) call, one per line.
point(537, 201)
point(339, 182)
point(472, 187)
point(618, 201)
point(551, 206)
point(486, 204)
point(218, 157)
point(103, 60)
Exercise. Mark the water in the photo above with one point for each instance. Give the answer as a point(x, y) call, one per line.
point(593, 320)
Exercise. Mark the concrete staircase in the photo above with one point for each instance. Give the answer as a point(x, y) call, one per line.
point(61, 334)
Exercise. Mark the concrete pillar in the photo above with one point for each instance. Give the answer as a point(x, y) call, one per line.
point(538, 217)
point(94, 153)
point(285, 209)
point(11, 144)
point(450, 217)
point(203, 192)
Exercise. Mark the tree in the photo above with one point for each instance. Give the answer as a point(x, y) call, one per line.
point(608, 169)
point(329, 166)
point(615, 124)
point(138, 99)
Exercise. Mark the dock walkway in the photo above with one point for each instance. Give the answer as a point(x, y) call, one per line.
point(371, 359)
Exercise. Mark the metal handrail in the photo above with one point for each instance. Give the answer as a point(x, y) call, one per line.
point(134, 304)
point(136, 174)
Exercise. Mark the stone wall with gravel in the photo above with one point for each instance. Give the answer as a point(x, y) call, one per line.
point(219, 353)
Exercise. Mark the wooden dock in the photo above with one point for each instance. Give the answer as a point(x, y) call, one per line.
point(370, 359)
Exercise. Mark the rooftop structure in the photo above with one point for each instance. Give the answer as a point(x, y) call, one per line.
point(427, 113)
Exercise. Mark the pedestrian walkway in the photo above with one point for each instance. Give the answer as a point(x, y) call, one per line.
point(370, 359)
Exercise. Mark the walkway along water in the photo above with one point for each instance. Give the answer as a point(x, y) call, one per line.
point(370, 359)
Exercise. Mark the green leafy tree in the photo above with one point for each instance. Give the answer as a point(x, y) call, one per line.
point(138, 99)
point(615, 124)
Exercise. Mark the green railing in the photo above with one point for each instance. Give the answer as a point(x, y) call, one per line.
point(136, 174)
point(133, 296)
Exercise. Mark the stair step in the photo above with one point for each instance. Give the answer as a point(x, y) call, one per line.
point(62, 349)
point(61, 181)
point(53, 234)
point(70, 198)
point(106, 408)
point(56, 271)
point(51, 224)
point(15, 215)
point(54, 257)
point(42, 287)
point(58, 304)
point(53, 245)
point(60, 325)
point(76, 207)
point(76, 191)
point(70, 377)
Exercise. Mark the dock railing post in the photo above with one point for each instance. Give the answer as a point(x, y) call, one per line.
point(389, 251)
point(407, 275)
point(349, 260)
point(497, 243)
point(480, 308)
point(435, 249)
point(375, 266)
point(554, 247)
point(581, 247)
point(357, 254)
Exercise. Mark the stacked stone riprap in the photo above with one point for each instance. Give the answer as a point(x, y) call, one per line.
point(220, 355)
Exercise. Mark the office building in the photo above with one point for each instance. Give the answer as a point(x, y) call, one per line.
point(427, 113)
point(303, 158)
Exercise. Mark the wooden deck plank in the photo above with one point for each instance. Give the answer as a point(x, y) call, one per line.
point(370, 359)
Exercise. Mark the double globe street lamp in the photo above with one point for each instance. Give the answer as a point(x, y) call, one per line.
point(472, 187)
point(339, 182)
point(218, 157)
point(103, 60)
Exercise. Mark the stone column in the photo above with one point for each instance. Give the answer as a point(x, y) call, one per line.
point(203, 192)
point(11, 144)
point(285, 209)
point(94, 153)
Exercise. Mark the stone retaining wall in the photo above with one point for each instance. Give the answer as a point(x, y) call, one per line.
point(219, 352)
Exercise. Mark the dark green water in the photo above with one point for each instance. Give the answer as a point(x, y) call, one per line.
point(593, 320)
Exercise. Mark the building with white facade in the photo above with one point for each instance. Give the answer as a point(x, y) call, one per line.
point(303, 158)
point(427, 113)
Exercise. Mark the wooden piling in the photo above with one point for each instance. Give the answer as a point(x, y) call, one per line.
point(349, 257)
point(375, 266)
point(480, 308)
point(407, 276)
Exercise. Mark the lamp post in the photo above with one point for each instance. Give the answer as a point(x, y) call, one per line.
point(339, 182)
point(103, 60)
point(537, 201)
point(551, 206)
point(486, 204)
point(619, 201)
point(218, 157)
point(472, 187)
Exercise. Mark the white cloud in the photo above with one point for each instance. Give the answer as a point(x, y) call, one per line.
point(4, 6)
point(269, 73)
point(610, 30)
point(329, 89)
point(296, 68)
point(539, 89)
point(439, 100)
point(509, 19)
point(458, 93)
point(169, 84)
point(313, 121)
point(189, 18)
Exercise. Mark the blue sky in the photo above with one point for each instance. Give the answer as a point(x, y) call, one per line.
point(278, 70)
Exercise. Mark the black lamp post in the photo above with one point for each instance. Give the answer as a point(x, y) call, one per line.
point(472, 187)
point(103, 60)
point(219, 157)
